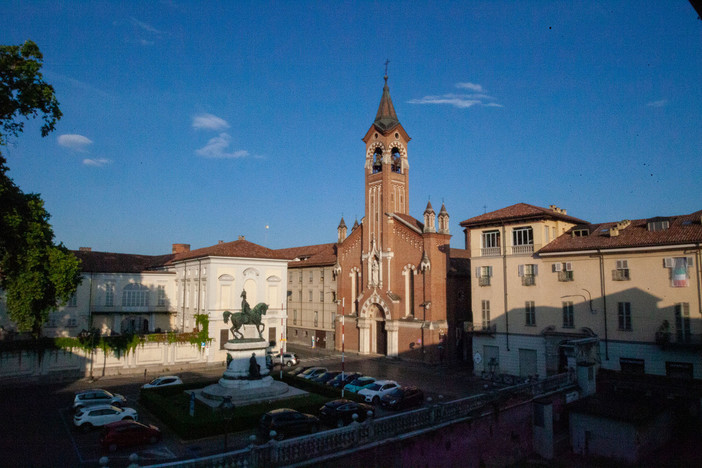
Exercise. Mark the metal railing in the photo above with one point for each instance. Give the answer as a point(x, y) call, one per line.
point(286, 452)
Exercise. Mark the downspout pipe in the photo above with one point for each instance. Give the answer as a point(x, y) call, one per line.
point(504, 281)
point(604, 302)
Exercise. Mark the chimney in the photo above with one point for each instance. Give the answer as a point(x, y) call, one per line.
point(85, 249)
point(614, 231)
point(623, 224)
point(180, 248)
point(220, 242)
point(241, 238)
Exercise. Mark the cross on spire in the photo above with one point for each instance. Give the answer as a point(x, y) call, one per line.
point(386, 68)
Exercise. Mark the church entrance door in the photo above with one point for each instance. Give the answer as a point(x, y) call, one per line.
point(381, 338)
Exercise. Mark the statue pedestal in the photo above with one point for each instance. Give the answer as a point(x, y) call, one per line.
point(236, 381)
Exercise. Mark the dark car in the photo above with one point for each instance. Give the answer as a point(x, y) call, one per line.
point(286, 422)
point(298, 370)
point(339, 382)
point(403, 397)
point(127, 434)
point(326, 377)
point(340, 412)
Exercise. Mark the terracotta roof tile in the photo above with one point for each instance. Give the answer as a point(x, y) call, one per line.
point(683, 229)
point(108, 262)
point(518, 212)
point(310, 255)
point(239, 248)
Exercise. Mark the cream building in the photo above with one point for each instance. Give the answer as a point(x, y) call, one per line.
point(550, 289)
point(123, 293)
point(311, 295)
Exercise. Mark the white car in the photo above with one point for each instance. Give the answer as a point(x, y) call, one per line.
point(375, 392)
point(97, 396)
point(163, 381)
point(97, 416)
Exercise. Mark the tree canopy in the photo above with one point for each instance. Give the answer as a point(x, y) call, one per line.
point(36, 274)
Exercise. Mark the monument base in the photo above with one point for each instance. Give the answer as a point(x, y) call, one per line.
point(237, 383)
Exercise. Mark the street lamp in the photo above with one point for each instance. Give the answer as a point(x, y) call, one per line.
point(227, 408)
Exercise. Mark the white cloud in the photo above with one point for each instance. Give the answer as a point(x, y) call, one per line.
point(75, 142)
point(472, 86)
point(217, 147)
point(144, 26)
point(462, 101)
point(209, 122)
point(98, 162)
point(660, 103)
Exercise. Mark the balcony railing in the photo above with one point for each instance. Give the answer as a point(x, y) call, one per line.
point(486, 329)
point(490, 252)
point(522, 249)
point(679, 340)
point(484, 281)
point(528, 280)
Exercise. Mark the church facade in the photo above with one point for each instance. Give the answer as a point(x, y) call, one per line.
point(392, 270)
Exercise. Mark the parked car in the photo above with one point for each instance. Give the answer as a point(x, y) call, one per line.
point(374, 392)
point(163, 381)
point(128, 433)
point(289, 359)
point(286, 422)
point(97, 396)
point(359, 384)
point(340, 381)
point(97, 416)
point(403, 397)
point(312, 372)
point(338, 413)
point(298, 370)
point(326, 377)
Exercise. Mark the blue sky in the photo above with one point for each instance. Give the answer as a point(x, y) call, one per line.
point(193, 122)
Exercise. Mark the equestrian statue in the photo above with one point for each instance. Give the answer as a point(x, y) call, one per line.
point(247, 316)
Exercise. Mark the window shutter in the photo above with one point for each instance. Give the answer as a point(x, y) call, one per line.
point(668, 262)
point(520, 270)
point(477, 272)
point(536, 270)
point(569, 266)
point(689, 262)
point(489, 271)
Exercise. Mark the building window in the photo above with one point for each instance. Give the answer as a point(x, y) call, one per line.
point(679, 370)
point(299, 295)
point(300, 276)
point(377, 160)
point(73, 301)
point(311, 276)
point(679, 270)
point(528, 274)
point(310, 293)
point(161, 299)
point(530, 313)
point(486, 314)
point(316, 318)
point(72, 323)
point(294, 316)
point(396, 161)
point(483, 273)
point(522, 240)
point(321, 296)
point(682, 322)
point(632, 366)
point(624, 316)
point(621, 273)
point(491, 243)
point(564, 270)
point(658, 225)
point(135, 295)
point(546, 235)
point(109, 294)
point(568, 321)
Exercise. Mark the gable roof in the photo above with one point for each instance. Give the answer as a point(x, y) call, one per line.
point(410, 221)
point(108, 262)
point(239, 248)
point(517, 213)
point(684, 229)
point(310, 255)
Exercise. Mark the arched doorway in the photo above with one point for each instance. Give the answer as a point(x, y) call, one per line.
point(379, 336)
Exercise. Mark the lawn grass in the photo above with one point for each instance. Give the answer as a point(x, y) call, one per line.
point(172, 406)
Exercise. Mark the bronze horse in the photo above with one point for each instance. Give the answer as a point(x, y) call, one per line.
point(247, 316)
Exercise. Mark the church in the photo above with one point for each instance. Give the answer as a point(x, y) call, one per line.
point(399, 292)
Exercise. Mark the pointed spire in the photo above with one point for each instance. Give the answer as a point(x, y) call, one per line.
point(429, 209)
point(386, 118)
point(341, 231)
point(443, 220)
point(429, 219)
point(342, 223)
point(355, 225)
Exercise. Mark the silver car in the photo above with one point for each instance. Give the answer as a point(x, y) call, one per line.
point(97, 396)
point(289, 359)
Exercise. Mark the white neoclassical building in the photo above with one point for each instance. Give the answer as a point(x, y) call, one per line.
point(122, 293)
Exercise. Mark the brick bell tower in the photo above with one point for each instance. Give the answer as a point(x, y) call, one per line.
point(386, 186)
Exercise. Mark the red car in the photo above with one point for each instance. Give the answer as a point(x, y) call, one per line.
point(127, 433)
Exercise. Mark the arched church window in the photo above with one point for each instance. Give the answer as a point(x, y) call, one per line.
point(396, 161)
point(377, 161)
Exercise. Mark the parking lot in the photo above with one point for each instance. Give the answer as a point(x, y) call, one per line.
point(40, 428)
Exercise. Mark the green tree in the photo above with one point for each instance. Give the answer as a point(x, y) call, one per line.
point(36, 274)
